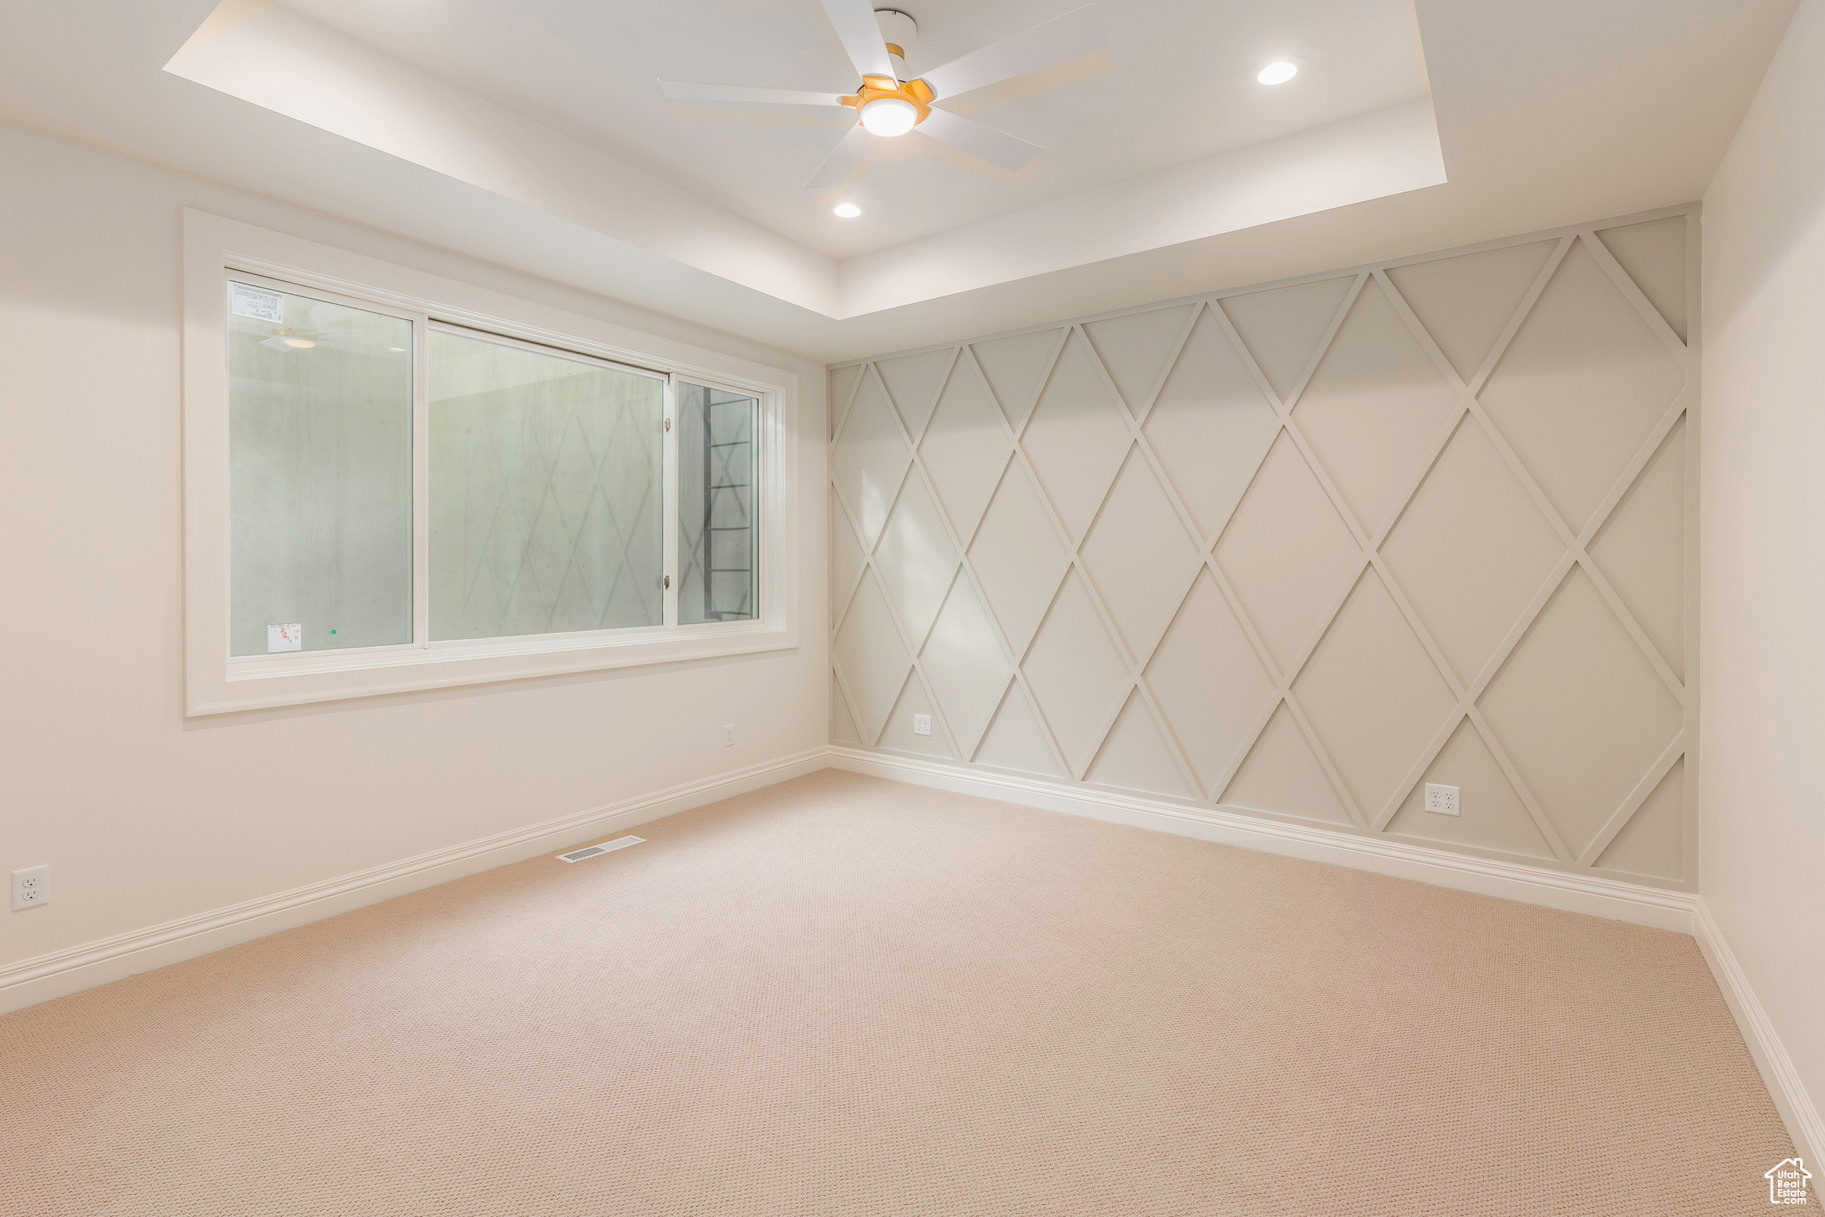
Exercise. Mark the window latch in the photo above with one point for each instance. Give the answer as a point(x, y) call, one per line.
point(667, 583)
point(668, 422)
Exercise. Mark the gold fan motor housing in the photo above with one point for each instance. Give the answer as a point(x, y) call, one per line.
point(876, 87)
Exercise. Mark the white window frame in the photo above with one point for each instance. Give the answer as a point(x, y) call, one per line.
point(216, 682)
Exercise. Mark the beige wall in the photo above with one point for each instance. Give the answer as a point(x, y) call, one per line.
point(1762, 532)
point(1298, 551)
point(146, 817)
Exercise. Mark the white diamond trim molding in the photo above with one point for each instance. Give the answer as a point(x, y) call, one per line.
point(1369, 814)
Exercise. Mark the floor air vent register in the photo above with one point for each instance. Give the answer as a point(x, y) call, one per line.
point(605, 847)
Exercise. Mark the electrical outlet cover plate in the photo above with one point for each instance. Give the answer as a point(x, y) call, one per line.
point(1441, 799)
point(728, 735)
point(31, 887)
point(922, 724)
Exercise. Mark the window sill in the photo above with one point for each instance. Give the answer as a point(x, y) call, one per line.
point(257, 682)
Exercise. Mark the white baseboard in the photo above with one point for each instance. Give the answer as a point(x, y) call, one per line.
point(1684, 912)
point(1784, 1085)
point(1578, 893)
point(43, 977)
point(47, 976)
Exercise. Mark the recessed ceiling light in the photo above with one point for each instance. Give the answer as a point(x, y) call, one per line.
point(848, 211)
point(300, 344)
point(397, 350)
point(890, 116)
point(1278, 72)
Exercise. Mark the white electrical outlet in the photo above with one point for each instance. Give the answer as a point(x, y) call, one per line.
point(1441, 799)
point(922, 724)
point(728, 735)
point(31, 887)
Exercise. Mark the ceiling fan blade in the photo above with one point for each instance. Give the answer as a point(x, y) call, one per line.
point(1079, 32)
point(679, 90)
point(842, 158)
point(990, 144)
point(860, 35)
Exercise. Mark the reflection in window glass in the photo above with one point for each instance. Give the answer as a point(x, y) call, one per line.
point(545, 492)
point(320, 474)
point(718, 466)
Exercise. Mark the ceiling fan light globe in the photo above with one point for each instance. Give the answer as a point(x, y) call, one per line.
point(889, 116)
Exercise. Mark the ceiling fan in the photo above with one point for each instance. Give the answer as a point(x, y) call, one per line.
point(889, 101)
point(301, 333)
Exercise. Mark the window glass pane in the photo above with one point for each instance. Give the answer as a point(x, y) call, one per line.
point(320, 474)
point(718, 472)
point(545, 498)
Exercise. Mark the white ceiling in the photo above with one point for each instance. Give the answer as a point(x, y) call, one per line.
point(1176, 86)
point(283, 61)
point(490, 135)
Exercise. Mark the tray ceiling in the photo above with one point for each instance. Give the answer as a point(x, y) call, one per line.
point(533, 135)
point(1177, 86)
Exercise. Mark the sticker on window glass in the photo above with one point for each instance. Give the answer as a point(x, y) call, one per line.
point(244, 301)
point(287, 637)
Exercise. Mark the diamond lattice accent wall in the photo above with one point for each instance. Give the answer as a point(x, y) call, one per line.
point(1297, 550)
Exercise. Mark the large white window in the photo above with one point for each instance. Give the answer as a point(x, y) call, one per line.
point(396, 481)
point(547, 491)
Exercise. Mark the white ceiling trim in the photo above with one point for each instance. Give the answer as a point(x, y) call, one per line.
point(274, 58)
point(1548, 113)
point(1354, 160)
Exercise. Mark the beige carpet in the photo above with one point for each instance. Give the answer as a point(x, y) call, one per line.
point(844, 996)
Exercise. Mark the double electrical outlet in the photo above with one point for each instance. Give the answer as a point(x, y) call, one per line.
point(31, 887)
point(1441, 800)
